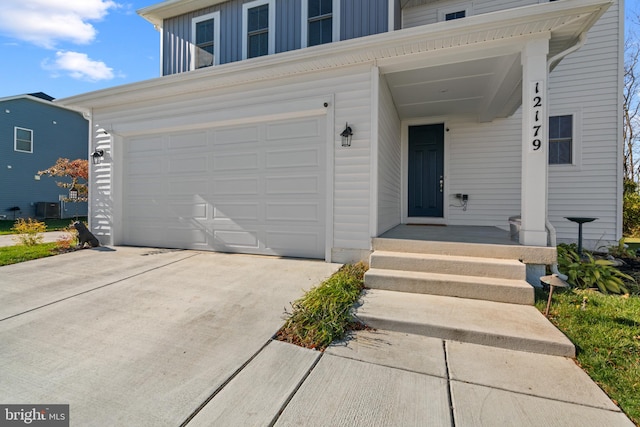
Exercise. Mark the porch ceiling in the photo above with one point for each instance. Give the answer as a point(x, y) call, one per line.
point(483, 88)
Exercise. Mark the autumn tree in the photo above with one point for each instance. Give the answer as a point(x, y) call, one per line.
point(76, 172)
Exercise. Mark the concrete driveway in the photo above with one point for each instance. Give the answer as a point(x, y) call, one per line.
point(138, 336)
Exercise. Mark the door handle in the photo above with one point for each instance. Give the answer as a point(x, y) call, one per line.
point(441, 183)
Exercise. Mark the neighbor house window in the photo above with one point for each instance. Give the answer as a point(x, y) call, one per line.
point(561, 140)
point(23, 140)
point(258, 24)
point(206, 40)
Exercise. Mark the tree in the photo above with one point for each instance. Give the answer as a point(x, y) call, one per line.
point(77, 170)
point(631, 110)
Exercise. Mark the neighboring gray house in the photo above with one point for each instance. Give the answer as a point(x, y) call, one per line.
point(461, 112)
point(34, 133)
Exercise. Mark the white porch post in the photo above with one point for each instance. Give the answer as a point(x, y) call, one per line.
point(534, 143)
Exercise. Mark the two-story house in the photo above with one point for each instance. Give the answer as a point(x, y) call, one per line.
point(307, 127)
point(34, 134)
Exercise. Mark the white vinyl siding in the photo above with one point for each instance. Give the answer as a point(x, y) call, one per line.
point(350, 91)
point(389, 162)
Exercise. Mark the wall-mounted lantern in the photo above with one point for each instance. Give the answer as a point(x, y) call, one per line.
point(97, 156)
point(73, 194)
point(346, 135)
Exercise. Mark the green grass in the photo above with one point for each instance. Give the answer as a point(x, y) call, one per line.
point(52, 224)
point(606, 333)
point(21, 253)
point(323, 314)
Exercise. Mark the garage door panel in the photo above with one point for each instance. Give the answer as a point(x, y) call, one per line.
point(146, 145)
point(309, 157)
point(236, 161)
point(255, 188)
point(235, 186)
point(300, 184)
point(239, 211)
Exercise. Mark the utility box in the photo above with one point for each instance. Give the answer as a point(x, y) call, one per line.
point(47, 210)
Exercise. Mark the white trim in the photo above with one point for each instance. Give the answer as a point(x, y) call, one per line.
point(467, 7)
point(216, 37)
point(373, 150)
point(330, 185)
point(15, 139)
point(272, 24)
point(576, 140)
point(335, 22)
point(391, 15)
point(404, 187)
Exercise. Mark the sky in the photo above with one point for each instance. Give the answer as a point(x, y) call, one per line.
point(68, 47)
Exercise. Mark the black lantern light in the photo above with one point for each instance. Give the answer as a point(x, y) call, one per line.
point(96, 156)
point(346, 135)
point(73, 194)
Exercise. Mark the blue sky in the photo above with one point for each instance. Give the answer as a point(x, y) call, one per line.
point(67, 47)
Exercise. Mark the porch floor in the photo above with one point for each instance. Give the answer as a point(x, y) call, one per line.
point(451, 233)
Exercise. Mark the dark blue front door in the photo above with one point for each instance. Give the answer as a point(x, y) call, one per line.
point(426, 170)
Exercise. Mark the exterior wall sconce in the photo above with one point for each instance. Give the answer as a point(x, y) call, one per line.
point(73, 194)
point(346, 135)
point(97, 156)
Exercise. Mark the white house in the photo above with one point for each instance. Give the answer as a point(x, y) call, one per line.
point(461, 113)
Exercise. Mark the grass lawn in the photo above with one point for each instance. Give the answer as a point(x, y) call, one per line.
point(21, 253)
point(52, 224)
point(606, 332)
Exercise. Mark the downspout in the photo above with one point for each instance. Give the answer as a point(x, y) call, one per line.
point(550, 63)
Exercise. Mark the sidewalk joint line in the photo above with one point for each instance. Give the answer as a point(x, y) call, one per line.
point(295, 390)
point(96, 288)
point(224, 384)
point(449, 389)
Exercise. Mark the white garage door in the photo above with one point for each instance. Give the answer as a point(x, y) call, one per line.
point(257, 188)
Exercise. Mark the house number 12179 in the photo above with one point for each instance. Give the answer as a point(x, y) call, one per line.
point(537, 128)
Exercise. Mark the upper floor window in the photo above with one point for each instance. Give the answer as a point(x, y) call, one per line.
point(23, 140)
point(258, 23)
point(455, 15)
point(560, 140)
point(320, 22)
point(206, 40)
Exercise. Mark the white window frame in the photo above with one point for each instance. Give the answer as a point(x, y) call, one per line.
point(216, 37)
point(576, 141)
point(335, 16)
point(15, 139)
point(272, 25)
point(458, 7)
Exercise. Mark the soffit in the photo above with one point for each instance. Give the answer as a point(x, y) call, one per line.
point(167, 9)
point(494, 36)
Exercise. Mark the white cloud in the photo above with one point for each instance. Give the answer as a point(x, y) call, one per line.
point(46, 22)
point(79, 66)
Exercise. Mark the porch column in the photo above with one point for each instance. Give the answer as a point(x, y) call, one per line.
point(534, 143)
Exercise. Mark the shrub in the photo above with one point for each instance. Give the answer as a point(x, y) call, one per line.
point(590, 272)
point(29, 232)
point(631, 210)
point(67, 240)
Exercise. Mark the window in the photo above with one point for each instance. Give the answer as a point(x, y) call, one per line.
point(319, 22)
point(206, 40)
point(561, 140)
point(258, 28)
point(455, 15)
point(23, 140)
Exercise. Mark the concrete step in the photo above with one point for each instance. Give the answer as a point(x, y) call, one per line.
point(449, 264)
point(484, 288)
point(511, 326)
point(526, 254)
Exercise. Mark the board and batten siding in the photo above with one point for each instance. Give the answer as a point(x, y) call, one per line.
point(484, 159)
point(389, 162)
point(350, 90)
point(359, 18)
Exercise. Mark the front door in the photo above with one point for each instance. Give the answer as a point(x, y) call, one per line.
point(426, 170)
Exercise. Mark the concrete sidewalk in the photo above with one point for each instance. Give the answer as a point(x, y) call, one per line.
point(49, 236)
point(158, 337)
